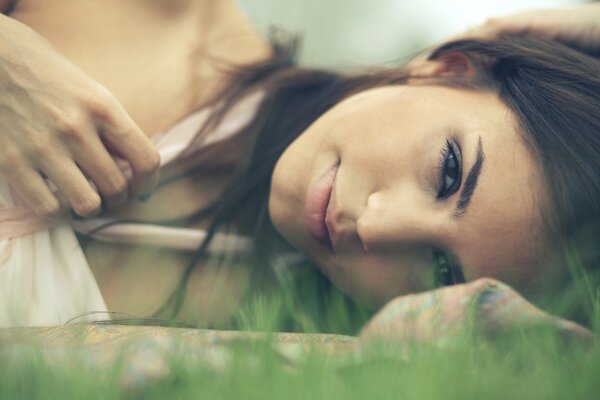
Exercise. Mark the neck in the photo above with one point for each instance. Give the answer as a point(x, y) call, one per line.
point(229, 36)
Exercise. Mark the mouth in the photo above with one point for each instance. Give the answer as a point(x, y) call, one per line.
point(317, 203)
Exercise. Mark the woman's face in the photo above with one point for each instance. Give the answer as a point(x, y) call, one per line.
point(398, 187)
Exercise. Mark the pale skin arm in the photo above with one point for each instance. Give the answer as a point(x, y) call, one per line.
point(57, 123)
point(578, 26)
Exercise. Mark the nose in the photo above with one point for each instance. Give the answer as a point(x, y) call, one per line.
point(393, 220)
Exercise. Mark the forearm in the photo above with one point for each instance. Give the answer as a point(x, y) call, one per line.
point(49, 114)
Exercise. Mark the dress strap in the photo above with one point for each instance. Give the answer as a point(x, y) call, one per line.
point(186, 239)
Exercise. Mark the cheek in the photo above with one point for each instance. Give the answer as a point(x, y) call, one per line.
point(376, 279)
point(375, 138)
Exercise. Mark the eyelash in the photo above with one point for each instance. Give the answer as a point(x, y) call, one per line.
point(449, 152)
point(445, 272)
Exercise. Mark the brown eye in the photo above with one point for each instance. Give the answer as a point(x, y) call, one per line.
point(449, 171)
point(445, 272)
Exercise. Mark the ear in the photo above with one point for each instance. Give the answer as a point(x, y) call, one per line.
point(448, 65)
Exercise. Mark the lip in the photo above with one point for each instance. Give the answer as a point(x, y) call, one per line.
point(317, 203)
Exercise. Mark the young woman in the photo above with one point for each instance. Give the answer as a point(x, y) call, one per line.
point(479, 162)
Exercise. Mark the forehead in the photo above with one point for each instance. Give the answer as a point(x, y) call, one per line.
point(500, 236)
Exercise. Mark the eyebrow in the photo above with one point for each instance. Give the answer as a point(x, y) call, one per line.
point(470, 183)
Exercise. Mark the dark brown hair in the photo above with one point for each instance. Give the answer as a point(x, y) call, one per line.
point(553, 90)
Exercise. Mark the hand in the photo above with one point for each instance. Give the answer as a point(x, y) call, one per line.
point(578, 27)
point(57, 123)
point(485, 307)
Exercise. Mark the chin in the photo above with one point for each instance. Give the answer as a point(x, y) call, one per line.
point(283, 216)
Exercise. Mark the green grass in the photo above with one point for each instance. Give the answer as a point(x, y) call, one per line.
point(523, 365)
point(527, 369)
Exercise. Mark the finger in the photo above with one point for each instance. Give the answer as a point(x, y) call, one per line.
point(478, 32)
point(95, 161)
point(74, 186)
point(511, 24)
point(33, 190)
point(123, 135)
point(536, 22)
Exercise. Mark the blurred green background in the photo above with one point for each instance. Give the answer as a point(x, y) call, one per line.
point(346, 33)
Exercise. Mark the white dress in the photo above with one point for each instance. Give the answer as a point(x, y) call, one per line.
point(44, 276)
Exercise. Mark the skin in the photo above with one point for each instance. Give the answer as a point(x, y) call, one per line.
point(91, 96)
point(388, 219)
point(576, 26)
point(162, 60)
